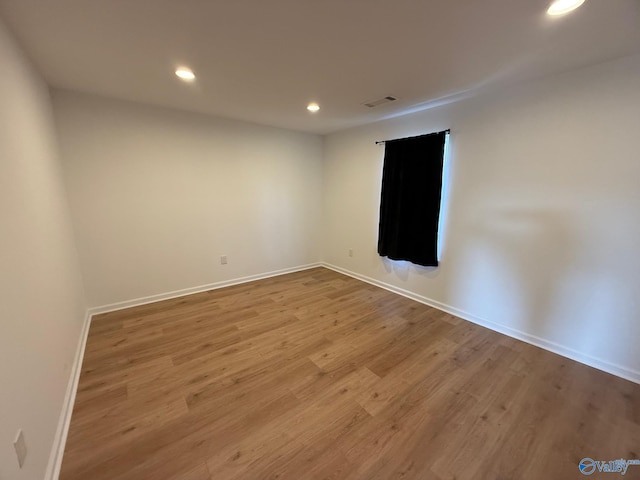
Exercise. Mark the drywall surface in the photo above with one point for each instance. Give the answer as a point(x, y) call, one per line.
point(158, 196)
point(41, 297)
point(540, 223)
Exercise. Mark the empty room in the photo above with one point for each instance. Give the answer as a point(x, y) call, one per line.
point(294, 240)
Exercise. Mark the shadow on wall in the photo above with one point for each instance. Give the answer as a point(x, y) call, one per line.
point(554, 275)
point(559, 275)
point(513, 266)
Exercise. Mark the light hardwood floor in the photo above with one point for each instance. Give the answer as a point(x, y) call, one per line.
point(315, 375)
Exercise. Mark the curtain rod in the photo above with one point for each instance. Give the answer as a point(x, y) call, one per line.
point(447, 131)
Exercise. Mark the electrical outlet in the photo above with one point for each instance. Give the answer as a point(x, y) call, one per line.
point(20, 447)
point(351, 252)
point(223, 260)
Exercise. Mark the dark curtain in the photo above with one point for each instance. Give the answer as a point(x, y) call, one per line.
point(410, 202)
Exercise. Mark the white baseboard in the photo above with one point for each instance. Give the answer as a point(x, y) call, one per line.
point(55, 460)
point(136, 302)
point(60, 439)
point(617, 370)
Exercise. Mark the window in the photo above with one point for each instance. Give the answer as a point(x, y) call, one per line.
point(410, 199)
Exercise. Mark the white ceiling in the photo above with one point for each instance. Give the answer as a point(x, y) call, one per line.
point(264, 60)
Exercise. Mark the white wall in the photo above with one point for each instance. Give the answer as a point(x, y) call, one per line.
point(41, 298)
point(157, 196)
point(541, 220)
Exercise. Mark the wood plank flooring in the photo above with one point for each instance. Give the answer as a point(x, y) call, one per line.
point(315, 375)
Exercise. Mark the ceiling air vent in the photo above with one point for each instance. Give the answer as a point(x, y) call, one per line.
point(380, 101)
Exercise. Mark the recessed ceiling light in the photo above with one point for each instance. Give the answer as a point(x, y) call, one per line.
point(185, 74)
point(313, 107)
point(560, 7)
